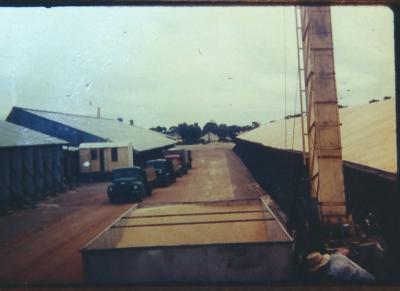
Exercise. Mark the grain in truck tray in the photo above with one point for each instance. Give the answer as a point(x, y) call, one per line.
point(200, 242)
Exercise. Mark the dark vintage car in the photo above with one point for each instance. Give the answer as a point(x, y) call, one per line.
point(164, 170)
point(130, 184)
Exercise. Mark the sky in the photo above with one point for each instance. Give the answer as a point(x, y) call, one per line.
point(165, 65)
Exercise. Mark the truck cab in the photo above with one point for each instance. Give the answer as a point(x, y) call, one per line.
point(177, 164)
point(185, 157)
point(129, 184)
point(164, 170)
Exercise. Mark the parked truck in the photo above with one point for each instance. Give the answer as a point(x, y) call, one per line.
point(164, 170)
point(177, 164)
point(185, 158)
point(131, 184)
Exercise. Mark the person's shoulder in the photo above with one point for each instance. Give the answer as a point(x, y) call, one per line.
point(340, 266)
point(343, 267)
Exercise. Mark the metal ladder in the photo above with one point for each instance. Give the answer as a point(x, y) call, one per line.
point(300, 75)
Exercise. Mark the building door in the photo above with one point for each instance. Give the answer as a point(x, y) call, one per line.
point(101, 160)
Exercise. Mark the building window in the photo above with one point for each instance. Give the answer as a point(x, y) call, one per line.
point(93, 155)
point(114, 154)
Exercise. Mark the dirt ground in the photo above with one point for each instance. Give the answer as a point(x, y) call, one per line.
point(41, 246)
point(217, 174)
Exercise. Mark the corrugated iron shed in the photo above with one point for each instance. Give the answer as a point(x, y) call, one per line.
point(12, 135)
point(108, 129)
point(368, 135)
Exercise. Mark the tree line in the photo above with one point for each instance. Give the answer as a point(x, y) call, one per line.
point(192, 133)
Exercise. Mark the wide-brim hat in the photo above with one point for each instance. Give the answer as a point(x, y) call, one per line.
point(315, 261)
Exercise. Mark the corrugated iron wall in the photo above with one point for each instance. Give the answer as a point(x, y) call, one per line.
point(29, 174)
point(71, 168)
point(283, 175)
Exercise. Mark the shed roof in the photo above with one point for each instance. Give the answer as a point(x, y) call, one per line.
point(12, 135)
point(368, 135)
point(110, 129)
point(98, 145)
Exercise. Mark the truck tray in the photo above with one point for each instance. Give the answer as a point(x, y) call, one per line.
point(227, 241)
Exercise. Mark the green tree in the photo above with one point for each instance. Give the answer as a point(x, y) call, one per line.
point(222, 131)
point(234, 130)
point(173, 130)
point(210, 126)
point(182, 130)
point(160, 129)
point(193, 134)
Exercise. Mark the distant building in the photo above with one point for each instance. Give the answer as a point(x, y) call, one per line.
point(210, 137)
point(100, 137)
point(31, 166)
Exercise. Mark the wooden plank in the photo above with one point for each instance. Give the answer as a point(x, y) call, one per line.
point(193, 222)
point(196, 214)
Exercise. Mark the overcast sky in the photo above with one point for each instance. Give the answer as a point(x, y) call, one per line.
point(164, 65)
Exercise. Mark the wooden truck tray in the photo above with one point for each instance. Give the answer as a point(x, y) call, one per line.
point(199, 242)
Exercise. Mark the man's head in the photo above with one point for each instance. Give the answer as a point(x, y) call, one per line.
point(315, 261)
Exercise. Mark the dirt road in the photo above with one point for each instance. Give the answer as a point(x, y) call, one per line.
point(217, 174)
point(41, 246)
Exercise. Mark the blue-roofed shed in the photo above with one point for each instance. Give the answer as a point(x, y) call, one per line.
point(80, 129)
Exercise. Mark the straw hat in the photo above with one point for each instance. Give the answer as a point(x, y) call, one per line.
point(316, 260)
